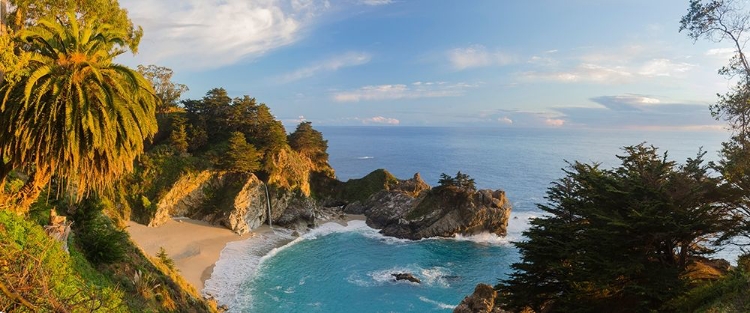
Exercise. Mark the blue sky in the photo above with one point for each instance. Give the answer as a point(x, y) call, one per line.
point(560, 64)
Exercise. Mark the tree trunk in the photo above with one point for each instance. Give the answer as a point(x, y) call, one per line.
point(30, 191)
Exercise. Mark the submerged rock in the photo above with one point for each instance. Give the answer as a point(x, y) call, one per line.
point(407, 277)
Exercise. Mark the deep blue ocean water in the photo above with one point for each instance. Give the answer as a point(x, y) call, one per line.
point(347, 269)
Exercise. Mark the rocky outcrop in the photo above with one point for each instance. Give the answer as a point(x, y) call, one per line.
point(481, 301)
point(400, 208)
point(407, 277)
point(187, 194)
point(413, 212)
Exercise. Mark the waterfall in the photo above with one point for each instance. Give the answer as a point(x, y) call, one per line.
point(268, 202)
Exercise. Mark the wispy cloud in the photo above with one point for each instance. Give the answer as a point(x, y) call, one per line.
point(478, 56)
point(640, 112)
point(585, 72)
point(380, 120)
point(602, 74)
point(332, 64)
point(376, 2)
point(213, 33)
point(720, 52)
point(400, 91)
point(663, 67)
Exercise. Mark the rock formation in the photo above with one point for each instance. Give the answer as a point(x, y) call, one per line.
point(406, 276)
point(409, 210)
point(400, 208)
point(186, 194)
point(481, 301)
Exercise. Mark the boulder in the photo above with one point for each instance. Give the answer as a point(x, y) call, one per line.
point(481, 301)
point(407, 277)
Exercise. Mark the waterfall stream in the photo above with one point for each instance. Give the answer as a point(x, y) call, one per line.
point(268, 202)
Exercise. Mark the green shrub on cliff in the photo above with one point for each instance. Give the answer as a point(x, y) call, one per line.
point(38, 275)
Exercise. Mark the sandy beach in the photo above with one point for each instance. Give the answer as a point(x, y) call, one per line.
point(195, 246)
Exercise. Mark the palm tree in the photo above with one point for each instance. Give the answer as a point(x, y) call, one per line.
point(77, 115)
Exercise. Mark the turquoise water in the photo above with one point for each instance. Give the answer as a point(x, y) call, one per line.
point(347, 269)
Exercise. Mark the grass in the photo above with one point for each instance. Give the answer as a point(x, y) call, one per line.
point(361, 189)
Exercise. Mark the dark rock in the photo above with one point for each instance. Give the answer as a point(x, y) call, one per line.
point(355, 207)
point(299, 210)
point(406, 276)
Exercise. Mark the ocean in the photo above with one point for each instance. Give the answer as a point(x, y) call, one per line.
point(347, 269)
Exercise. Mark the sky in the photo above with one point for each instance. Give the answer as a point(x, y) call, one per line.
point(546, 63)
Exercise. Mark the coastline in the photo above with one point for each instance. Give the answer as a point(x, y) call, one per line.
point(196, 246)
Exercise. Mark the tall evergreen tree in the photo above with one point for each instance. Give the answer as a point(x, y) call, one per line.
point(309, 142)
point(618, 240)
point(242, 157)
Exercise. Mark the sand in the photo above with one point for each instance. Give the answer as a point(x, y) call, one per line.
point(195, 246)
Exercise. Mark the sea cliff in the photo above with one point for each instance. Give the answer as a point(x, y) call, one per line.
point(407, 208)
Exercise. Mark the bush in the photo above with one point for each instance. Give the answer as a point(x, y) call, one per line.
point(100, 240)
point(38, 275)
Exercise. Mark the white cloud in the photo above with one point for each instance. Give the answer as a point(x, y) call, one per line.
point(400, 91)
point(376, 2)
point(663, 67)
point(214, 33)
point(380, 120)
point(554, 122)
point(602, 74)
point(333, 64)
point(477, 56)
point(721, 52)
point(585, 72)
point(505, 120)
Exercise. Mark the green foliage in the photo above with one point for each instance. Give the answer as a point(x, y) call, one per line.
point(76, 115)
point(461, 181)
point(165, 259)
point(618, 240)
point(154, 176)
point(100, 241)
point(37, 270)
point(27, 13)
point(361, 189)
point(730, 293)
point(167, 91)
point(310, 143)
point(179, 137)
point(242, 156)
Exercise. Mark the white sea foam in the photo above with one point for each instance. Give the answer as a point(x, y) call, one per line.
point(237, 263)
point(436, 303)
point(483, 238)
point(431, 276)
point(365, 158)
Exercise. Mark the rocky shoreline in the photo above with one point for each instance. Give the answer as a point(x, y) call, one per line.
point(409, 209)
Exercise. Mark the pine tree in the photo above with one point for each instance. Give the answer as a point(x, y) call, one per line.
point(618, 240)
point(242, 157)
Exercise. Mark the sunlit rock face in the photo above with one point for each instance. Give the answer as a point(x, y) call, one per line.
point(412, 210)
